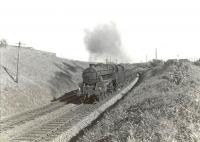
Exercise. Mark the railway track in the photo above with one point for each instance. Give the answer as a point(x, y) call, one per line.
point(28, 116)
point(25, 117)
point(69, 124)
point(53, 128)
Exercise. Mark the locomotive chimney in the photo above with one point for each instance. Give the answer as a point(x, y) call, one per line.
point(92, 65)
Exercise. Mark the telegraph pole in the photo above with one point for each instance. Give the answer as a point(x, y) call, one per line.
point(156, 53)
point(146, 59)
point(17, 76)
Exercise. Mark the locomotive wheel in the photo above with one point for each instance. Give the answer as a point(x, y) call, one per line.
point(97, 98)
point(85, 98)
point(111, 92)
point(101, 97)
point(104, 94)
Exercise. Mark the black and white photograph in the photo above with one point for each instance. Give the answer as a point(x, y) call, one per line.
point(99, 71)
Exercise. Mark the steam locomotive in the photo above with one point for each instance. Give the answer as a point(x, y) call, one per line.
point(101, 79)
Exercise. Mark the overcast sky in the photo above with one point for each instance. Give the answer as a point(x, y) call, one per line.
point(171, 26)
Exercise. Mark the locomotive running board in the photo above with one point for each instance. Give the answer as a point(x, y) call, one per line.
point(86, 121)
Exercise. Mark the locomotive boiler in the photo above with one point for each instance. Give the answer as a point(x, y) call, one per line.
point(101, 79)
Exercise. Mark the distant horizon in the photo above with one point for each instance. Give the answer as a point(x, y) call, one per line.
point(112, 61)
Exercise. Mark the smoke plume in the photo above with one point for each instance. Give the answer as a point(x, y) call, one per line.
point(104, 42)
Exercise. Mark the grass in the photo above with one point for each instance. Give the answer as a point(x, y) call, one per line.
point(165, 107)
point(42, 76)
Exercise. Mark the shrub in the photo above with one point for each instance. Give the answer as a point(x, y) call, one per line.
point(156, 62)
point(197, 63)
point(3, 43)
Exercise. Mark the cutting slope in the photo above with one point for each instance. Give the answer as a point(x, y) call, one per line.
point(164, 107)
point(42, 76)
